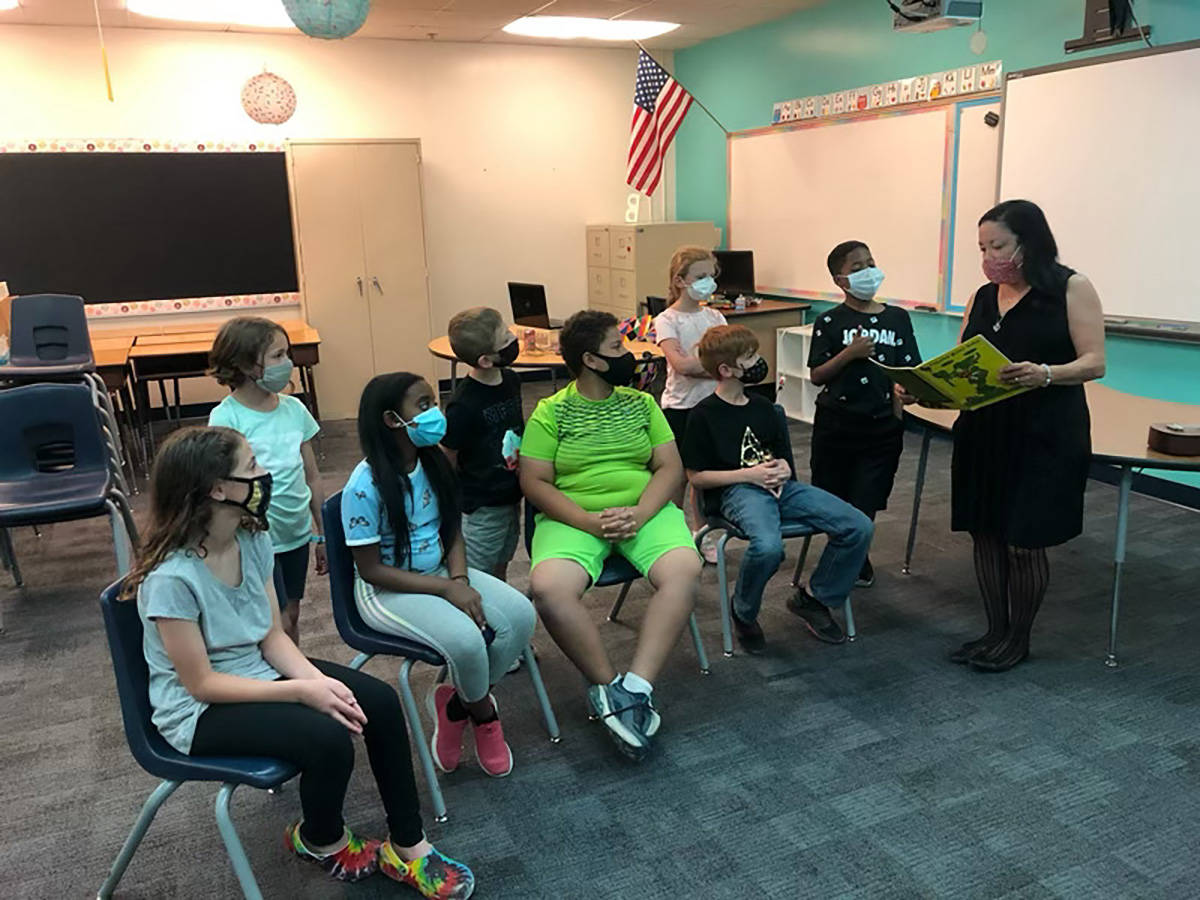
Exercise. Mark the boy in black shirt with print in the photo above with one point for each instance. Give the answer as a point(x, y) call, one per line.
point(735, 451)
point(858, 432)
point(484, 409)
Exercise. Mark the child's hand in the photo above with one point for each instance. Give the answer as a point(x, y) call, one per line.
point(466, 598)
point(780, 472)
point(330, 696)
point(765, 474)
point(861, 347)
point(903, 395)
point(321, 560)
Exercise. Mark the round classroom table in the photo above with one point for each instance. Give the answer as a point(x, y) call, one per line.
point(531, 359)
point(1120, 428)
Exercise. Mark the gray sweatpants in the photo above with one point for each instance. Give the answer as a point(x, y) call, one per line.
point(474, 666)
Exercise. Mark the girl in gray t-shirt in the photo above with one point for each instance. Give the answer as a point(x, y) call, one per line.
point(226, 681)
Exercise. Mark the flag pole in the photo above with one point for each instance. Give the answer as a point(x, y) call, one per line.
point(695, 99)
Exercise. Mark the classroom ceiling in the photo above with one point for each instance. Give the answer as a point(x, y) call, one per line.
point(472, 21)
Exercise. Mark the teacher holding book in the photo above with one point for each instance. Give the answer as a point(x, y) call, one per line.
point(1021, 465)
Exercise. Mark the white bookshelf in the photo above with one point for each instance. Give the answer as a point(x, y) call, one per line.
point(794, 390)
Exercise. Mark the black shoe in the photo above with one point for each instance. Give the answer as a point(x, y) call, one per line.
point(866, 575)
point(1006, 655)
point(749, 635)
point(971, 649)
point(816, 617)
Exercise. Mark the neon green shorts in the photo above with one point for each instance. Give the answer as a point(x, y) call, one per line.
point(666, 530)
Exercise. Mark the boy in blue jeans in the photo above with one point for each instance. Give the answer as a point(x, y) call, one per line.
point(735, 450)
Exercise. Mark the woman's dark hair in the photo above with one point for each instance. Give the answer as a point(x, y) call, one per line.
point(583, 333)
point(1039, 261)
point(383, 393)
point(239, 348)
point(189, 463)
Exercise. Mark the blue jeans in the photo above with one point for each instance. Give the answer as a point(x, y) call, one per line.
point(760, 516)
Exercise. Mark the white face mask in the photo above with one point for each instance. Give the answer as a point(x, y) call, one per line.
point(865, 282)
point(702, 288)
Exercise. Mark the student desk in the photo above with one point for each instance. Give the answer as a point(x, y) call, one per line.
point(764, 319)
point(535, 359)
point(1120, 424)
point(162, 356)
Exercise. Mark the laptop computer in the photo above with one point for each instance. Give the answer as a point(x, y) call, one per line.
point(528, 303)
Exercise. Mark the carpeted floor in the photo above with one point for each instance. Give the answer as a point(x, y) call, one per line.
point(873, 769)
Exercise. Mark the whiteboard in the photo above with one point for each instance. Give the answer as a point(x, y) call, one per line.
point(976, 159)
point(796, 193)
point(1109, 152)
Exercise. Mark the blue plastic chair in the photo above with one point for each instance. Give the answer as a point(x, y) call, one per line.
point(358, 635)
point(55, 466)
point(618, 570)
point(714, 521)
point(124, 629)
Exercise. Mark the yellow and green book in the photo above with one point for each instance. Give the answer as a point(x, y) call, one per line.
point(964, 377)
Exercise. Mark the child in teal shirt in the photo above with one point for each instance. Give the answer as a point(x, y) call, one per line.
point(250, 357)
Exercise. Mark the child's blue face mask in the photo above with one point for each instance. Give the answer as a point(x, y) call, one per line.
point(865, 282)
point(702, 288)
point(427, 428)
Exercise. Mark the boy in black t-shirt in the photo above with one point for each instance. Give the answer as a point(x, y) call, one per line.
point(735, 450)
point(858, 432)
point(483, 422)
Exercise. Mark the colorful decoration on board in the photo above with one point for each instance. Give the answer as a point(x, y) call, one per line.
point(328, 19)
point(117, 310)
point(953, 82)
point(268, 98)
point(135, 145)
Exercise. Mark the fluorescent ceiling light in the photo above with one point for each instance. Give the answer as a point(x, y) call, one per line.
point(9, 4)
point(572, 27)
point(256, 13)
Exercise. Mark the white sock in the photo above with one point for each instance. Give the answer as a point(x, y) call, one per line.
point(637, 683)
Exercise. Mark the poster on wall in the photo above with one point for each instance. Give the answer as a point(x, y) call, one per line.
point(989, 76)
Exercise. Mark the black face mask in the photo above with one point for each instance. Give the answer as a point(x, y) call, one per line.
point(508, 354)
point(258, 500)
point(620, 369)
point(755, 373)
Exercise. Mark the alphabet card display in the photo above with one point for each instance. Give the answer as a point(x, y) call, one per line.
point(973, 79)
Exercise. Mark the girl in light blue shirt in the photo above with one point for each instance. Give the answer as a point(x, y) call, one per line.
point(401, 514)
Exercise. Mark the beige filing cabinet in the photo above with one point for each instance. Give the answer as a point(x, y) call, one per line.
point(627, 263)
point(360, 242)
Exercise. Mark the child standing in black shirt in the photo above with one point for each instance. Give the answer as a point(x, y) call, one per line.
point(858, 433)
point(483, 422)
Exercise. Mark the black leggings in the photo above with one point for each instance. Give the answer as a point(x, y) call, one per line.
point(324, 751)
point(1012, 581)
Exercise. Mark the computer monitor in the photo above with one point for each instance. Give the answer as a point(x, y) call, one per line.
point(736, 272)
point(528, 304)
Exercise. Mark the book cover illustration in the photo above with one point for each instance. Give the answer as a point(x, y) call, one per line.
point(964, 377)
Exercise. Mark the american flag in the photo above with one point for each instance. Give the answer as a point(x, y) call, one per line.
point(659, 105)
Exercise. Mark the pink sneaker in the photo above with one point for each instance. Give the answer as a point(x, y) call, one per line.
point(447, 733)
point(491, 749)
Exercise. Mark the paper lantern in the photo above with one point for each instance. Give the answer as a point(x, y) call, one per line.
point(268, 98)
point(328, 19)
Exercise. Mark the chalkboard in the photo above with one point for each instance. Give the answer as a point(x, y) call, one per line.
point(148, 226)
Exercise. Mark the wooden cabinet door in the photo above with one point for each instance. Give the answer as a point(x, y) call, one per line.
point(325, 194)
point(389, 187)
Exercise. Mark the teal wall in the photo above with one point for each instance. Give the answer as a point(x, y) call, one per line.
point(841, 44)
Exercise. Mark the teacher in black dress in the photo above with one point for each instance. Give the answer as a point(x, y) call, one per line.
point(1021, 465)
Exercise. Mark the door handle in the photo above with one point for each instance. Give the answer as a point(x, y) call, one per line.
point(375, 281)
point(358, 281)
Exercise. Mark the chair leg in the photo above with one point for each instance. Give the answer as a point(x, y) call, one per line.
point(10, 554)
point(121, 544)
point(539, 688)
point(233, 844)
point(703, 657)
point(620, 601)
point(418, 737)
point(359, 661)
point(723, 596)
point(156, 799)
point(800, 562)
point(851, 634)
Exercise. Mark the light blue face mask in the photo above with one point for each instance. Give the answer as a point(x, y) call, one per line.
point(277, 377)
point(865, 282)
point(426, 428)
point(702, 288)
